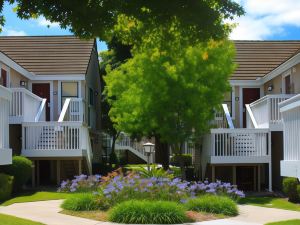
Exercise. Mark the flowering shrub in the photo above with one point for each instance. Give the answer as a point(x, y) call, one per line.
point(81, 183)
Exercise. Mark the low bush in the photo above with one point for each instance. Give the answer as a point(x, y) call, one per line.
point(83, 202)
point(6, 186)
point(148, 212)
point(20, 169)
point(289, 186)
point(213, 204)
point(181, 160)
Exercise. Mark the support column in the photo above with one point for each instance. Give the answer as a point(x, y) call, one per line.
point(33, 174)
point(234, 175)
point(79, 167)
point(213, 173)
point(270, 177)
point(38, 172)
point(58, 172)
point(258, 178)
point(254, 178)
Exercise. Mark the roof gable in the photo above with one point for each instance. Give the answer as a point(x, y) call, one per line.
point(49, 55)
point(255, 59)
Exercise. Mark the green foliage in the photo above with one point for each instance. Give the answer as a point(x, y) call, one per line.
point(213, 204)
point(153, 172)
point(289, 187)
point(6, 186)
point(84, 202)
point(20, 169)
point(183, 159)
point(171, 92)
point(203, 18)
point(148, 212)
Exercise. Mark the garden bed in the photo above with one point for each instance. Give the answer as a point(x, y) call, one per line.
point(148, 197)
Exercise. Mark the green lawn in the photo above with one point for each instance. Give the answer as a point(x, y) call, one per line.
point(270, 202)
point(36, 196)
point(11, 220)
point(287, 222)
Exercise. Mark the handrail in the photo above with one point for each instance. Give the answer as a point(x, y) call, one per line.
point(27, 92)
point(64, 110)
point(239, 131)
point(39, 113)
point(271, 96)
point(250, 113)
point(290, 103)
point(228, 117)
point(52, 123)
point(5, 93)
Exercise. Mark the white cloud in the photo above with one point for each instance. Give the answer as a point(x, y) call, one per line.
point(265, 18)
point(43, 22)
point(13, 32)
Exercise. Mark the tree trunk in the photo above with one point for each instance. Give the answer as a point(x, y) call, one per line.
point(161, 152)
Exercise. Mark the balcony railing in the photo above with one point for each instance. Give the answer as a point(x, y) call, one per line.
point(237, 146)
point(264, 112)
point(26, 107)
point(5, 152)
point(73, 110)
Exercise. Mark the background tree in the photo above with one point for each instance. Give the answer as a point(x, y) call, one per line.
point(170, 96)
point(116, 54)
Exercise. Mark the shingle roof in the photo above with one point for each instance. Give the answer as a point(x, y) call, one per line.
point(48, 55)
point(257, 58)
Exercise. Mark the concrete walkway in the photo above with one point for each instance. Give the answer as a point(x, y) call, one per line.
point(47, 212)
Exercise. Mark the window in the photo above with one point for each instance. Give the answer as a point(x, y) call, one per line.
point(68, 90)
point(3, 78)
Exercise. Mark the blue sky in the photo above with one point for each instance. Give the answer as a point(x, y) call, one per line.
point(264, 20)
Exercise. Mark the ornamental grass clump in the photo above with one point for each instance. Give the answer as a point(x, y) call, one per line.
point(83, 202)
point(148, 212)
point(213, 204)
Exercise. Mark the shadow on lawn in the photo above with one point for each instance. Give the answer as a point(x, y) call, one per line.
point(256, 200)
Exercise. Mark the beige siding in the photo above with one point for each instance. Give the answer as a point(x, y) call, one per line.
point(277, 86)
point(15, 78)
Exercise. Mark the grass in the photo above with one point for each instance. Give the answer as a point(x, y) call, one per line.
point(81, 202)
point(270, 202)
point(287, 222)
point(36, 196)
point(11, 220)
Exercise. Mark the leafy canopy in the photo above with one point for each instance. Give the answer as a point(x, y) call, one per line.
point(172, 95)
point(97, 18)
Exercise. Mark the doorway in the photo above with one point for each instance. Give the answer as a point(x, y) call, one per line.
point(43, 90)
point(245, 177)
point(249, 95)
point(45, 172)
point(287, 83)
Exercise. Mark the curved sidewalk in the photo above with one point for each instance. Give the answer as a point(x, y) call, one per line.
point(47, 212)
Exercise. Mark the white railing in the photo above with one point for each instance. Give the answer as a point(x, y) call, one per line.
point(26, 106)
point(290, 110)
point(223, 118)
point(239, 142)
point(73, 110)
point(124, 142)
point(5, 98)
point(266, 110)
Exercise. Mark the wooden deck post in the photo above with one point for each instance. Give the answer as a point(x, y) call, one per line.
point(33, 174)
point(258, 178)
point(58, 172)
point(213, 173)
point(38, 172)
point(234, 175)
point(79, 167)
point(270, 177)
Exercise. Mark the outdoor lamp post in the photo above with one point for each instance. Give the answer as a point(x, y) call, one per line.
point(148, 148)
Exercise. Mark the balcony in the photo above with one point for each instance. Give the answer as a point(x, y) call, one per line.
point(5, 151)
point(26, 107)
point(264, 113)
point(224, 146)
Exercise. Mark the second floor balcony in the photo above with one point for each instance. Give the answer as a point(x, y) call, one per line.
point(265, 113)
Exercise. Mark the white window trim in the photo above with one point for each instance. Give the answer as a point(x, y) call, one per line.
point(59, 92)
point(51, 94)
point(7, 69)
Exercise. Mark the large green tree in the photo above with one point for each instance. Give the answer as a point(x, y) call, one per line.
point(97, 18)
point(170, 96)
